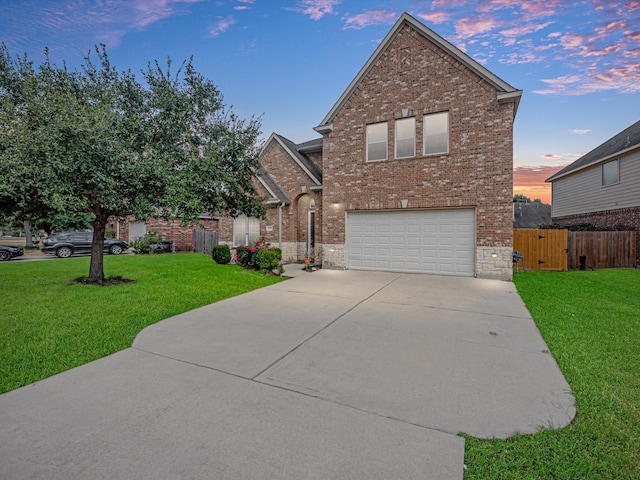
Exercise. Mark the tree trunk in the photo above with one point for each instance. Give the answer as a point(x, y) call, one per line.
point(96, 268)
point(27, 233)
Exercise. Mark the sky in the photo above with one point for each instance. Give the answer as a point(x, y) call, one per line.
point(288, 61)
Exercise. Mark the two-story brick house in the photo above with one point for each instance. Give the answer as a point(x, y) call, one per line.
point(413, 173)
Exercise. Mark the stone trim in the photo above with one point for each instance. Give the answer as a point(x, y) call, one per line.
point(499, 267)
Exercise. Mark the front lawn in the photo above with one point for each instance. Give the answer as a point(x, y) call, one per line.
point(591, 323)
point(50, 325)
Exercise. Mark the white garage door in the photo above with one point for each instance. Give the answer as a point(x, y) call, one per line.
point(421, 241)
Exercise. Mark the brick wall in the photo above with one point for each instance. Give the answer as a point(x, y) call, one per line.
point(619, 219)
point(477, 172)
point(297, 185)
point(293, 180)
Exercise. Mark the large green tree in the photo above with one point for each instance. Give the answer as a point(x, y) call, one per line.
point(97, 140)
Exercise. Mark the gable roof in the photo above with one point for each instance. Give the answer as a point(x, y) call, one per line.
point(314, 145)
point(267, 181)
point(504, 91)
point(624, 141)
point(308, 166)
point(530, 215)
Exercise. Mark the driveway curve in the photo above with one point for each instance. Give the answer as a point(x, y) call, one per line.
point(332, 374)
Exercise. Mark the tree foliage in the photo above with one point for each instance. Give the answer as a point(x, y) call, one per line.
point(98, 141)
point(521, 198)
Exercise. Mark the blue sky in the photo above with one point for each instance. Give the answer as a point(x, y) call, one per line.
point(578, 62)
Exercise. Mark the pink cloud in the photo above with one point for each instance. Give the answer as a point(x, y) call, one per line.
point(579, 131)
point(623, 78)
point(521, 30)
point(435, 17)
point(539, 8)
point(316, 9)
point(533, 175)
point(521, 58)
point(221, 26)
point(370, 17)
point(470, 26)
point(146, 12)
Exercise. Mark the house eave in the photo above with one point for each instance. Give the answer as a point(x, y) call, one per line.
point(508, 97)
point(324, 129)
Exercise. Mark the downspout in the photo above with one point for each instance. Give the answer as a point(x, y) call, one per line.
point(280, 226)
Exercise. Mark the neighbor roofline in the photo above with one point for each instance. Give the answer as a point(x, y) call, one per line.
point(612, 156)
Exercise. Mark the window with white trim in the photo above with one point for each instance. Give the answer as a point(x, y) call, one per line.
point(246, 230)
point(610, 173)
point(436, 133)
point(377, 135)
point(405, 138)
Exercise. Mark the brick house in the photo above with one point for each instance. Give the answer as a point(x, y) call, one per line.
point(603, 186)
point(180, 235)
point(413, 172)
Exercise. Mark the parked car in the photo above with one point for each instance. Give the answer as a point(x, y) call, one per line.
point(68, 243)
point(7, 252)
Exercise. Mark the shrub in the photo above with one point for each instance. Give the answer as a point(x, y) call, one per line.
point(259, 256)
point(221, 254)
point(143, 245)
point(268, 259)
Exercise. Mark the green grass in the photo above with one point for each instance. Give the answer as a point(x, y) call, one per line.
point(50, 324)
point(591, 323)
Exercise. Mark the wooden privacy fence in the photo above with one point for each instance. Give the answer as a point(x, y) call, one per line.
point(204, 241)
point(562, 249)
point(542, 249)
point(602, 249)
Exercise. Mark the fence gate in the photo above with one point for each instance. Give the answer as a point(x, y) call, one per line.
point(204, 241)
point(542, 249)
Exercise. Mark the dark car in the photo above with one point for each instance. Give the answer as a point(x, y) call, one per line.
point(7, 252)
point(67, 243)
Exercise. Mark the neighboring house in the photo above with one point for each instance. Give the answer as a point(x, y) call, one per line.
point(413, 173)
point(180, 235)
point(603, 186)
point(531, 215)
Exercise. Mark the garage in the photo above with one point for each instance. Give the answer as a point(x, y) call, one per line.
point(416, 241)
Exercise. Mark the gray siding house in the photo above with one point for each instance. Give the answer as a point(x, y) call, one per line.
point(603, 186)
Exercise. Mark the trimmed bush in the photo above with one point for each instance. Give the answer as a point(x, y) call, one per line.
point(268, 259)
point(221, 254)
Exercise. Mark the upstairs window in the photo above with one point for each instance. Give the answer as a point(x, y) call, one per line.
point(377, 142)
point(436, 133)
point(406, 138)
point(610, 173)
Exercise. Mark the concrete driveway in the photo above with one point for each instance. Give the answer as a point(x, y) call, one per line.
point(333, 374)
